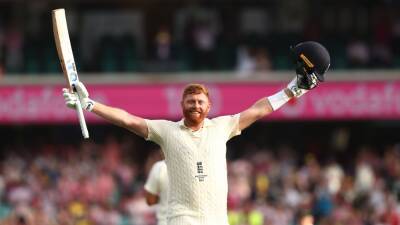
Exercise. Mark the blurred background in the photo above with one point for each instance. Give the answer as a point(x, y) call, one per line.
point(331, 157)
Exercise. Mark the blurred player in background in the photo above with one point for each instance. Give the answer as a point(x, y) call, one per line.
point(156, 190)
point(195, 147)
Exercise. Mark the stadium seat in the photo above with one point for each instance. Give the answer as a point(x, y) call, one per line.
point(281, 62)
point(396, 61)
point(108, 61)
point(226, 54)
point(336, 45)
point(128, 50)
point(32, 57)
point(5, 210)
point(184, 56)
point(51, 61)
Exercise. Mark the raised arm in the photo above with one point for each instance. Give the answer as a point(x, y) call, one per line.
point(312, 61)
point(116, 116)
point(263, 107)
point(121, 118)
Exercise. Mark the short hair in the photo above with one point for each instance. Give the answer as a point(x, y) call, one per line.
point(191, 89)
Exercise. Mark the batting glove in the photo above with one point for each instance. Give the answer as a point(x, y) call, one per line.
point(82, 94)
point(295, 89)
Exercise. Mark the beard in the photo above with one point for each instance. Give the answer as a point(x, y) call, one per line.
point(194, 119)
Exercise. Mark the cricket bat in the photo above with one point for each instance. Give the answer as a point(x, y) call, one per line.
point(64, 50)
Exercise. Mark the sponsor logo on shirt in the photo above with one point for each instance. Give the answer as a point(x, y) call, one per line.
point(200, 172)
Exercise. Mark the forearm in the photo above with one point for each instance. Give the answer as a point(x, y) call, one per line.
point(264, 107)
point(279, 99)
point(114, 115)
point(121, 118)
point(151, 199)
point(261, 108)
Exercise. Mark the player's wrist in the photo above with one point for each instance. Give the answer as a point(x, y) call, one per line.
point(278, 99)
point(88, 104)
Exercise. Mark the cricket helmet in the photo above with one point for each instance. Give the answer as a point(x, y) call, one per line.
point(311, 57)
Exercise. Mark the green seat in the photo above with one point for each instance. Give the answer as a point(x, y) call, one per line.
point(336, 45)
point(109, 63)
point(128, 51)
point(108, 54)
point(32, 67)
point(33, 56)
point(182, 65)
point(130, 65)
point(51, 61)
point(184, 57)
point(5, 211)
point(396, 61)
point(226, 55)
point(125, 220)
point(282, 62)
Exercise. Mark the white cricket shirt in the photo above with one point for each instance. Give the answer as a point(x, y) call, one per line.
point(196, 164)
point(157, 184)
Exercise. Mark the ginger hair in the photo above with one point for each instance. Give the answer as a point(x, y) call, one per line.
point(194, 89)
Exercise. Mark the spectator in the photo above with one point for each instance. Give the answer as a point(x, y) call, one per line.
point(246, 62)
point(333, 175)
point(163, 44)
point(251, 61)
point(204, 39)
point(358, 54)
point(14, 44)
point(49, 187)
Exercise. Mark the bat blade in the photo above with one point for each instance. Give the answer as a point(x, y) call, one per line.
point(64, 50)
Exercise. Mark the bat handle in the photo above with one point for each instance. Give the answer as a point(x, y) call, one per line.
point(82, 121)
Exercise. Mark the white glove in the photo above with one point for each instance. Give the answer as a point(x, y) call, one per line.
point(293, 87)
point(82, 93)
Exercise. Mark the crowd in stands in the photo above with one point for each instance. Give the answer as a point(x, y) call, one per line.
point(102, 184)
point(195, 37)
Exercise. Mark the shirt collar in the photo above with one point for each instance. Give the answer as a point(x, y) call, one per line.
point(207, 123)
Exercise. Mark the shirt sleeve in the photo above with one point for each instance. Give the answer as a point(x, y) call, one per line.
point(230, 124)
point(155, 130)
point(152, 182)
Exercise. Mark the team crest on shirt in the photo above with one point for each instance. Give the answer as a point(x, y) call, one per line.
point(200, 172)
